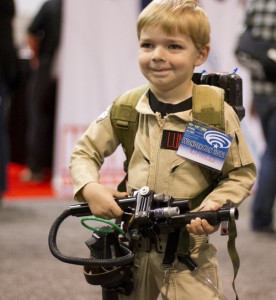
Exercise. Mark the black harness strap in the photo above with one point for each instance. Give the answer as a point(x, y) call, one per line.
point(173, 244)
point(171, 248)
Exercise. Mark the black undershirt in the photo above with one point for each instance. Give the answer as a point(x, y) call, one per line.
point(168, 108)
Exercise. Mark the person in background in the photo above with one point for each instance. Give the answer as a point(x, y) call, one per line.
point(43, 38)
point(8, 78)
point(174, 38)
point(261, 19)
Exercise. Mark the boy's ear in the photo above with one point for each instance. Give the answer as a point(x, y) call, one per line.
point(202, 55)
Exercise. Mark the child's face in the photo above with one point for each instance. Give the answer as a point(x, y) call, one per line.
point(168, 62)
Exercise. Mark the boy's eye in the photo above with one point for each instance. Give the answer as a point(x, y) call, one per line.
point(146, 45)
point(175, 46)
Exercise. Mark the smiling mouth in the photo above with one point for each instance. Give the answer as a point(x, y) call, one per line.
point(159, 70)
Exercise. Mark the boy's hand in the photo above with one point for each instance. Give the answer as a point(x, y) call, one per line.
point(101, 200)
point(201, 226)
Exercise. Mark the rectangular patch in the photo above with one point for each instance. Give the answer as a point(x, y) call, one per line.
point(171, 139)
point(205, 145)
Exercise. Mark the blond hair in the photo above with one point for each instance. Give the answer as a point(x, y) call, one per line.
point(177, 17)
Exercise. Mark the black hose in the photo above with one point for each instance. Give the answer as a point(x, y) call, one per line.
point(119, 261)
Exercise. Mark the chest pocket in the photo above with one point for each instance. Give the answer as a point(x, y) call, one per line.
point(188, 179)
point(139, 165)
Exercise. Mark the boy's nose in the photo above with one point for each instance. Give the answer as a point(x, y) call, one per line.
point(158, 54)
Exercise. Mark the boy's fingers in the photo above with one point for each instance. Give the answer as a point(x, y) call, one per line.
point(117, 194)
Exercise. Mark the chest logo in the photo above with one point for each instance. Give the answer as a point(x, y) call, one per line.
point(171, 140)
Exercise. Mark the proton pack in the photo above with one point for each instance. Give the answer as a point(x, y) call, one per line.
point(231, 83)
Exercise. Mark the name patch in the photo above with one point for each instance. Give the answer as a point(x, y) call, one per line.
point(171, 139)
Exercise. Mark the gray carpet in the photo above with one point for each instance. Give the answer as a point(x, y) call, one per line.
point(28, 271)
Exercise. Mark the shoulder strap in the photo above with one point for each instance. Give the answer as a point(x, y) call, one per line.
point(124, 118)
point(208, 105)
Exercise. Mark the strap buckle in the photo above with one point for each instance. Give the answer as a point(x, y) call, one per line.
point(167, 267)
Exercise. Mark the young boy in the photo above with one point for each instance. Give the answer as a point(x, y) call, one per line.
point(174, 38)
